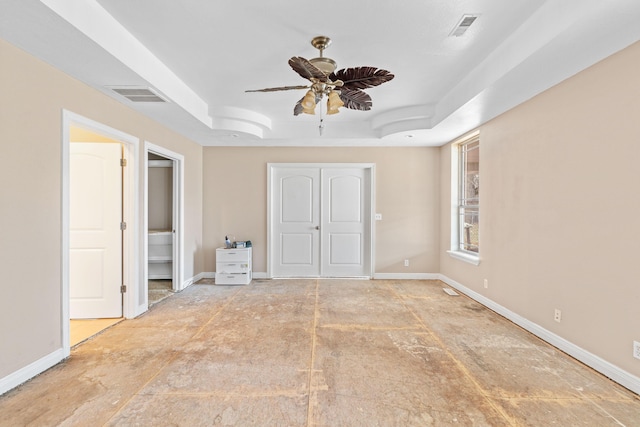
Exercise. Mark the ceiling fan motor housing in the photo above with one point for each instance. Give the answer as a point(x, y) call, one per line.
point(326, 65)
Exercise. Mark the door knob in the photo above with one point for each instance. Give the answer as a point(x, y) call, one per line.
point(317, 227)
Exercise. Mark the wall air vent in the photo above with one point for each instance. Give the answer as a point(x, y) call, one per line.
point(138, 94)
point(463, 25)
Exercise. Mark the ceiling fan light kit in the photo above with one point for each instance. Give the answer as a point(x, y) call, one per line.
point(334, 102)
point(309, 102)
point(343, 88)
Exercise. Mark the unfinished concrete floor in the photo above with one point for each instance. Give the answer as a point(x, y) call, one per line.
point(319, 353)
point(157, 290)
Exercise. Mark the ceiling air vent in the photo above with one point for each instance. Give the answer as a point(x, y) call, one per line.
point(463, 25)
point(139, 94)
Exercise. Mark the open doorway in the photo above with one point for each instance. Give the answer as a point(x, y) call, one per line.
point(98, 223)
point(160, 227)
point(95, 233)
point(163, 222)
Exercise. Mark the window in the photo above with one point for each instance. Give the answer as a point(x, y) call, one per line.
point(465, 242)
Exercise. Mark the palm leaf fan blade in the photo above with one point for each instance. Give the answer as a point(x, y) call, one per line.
point(306, 69)
point(275, 89)
point(362, 77)
point(355, 99)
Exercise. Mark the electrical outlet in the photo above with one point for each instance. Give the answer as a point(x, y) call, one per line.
point(486, 283)
point(406, 263)
point(378, 217)
point(636, 349)
point(557, 315)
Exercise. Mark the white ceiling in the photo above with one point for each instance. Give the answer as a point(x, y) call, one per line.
point(202, 55)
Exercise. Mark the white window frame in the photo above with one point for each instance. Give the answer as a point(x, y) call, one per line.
point(456, 250)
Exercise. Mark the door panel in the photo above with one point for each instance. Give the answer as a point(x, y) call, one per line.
point(297, 199)
point(295, 239)
point(297, 249)
point(85, 284)
point(344, 225)
point(345, 198)
point(95, 239)
point(345, 249)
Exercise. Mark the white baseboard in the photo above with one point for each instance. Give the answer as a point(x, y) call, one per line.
point(607, 369)
point(406, 276)
point(192, 280)
point(20, 376)
point(379, 276)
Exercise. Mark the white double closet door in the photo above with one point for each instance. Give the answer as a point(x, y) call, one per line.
point(320, 220)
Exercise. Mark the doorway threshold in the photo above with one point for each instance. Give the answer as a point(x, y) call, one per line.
point(83, 329)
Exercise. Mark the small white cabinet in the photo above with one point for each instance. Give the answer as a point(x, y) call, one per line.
point(233, 266)
point(160, 246)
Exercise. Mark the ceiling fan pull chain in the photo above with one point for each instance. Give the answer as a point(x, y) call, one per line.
point(321, 126)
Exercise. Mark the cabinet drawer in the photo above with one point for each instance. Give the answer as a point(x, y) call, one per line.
point(231, 255)
point(233, 267)
point(233, 279)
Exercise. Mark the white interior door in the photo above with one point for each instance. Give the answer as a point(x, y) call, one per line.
point(320, 223)
point(95, 239)
point(296, 222)
point(344, 222)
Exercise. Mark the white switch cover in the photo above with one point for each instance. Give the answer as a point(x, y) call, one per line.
point(378, 217)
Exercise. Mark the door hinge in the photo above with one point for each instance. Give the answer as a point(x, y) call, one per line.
point(123, 226)
point(123, 289)
point(123, 162)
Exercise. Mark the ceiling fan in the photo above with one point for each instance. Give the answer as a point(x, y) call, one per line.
point(343, 88)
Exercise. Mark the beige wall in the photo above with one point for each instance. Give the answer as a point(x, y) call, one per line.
point(33, 97)
point(160, 198)
point(407, 196)
point(560, 199)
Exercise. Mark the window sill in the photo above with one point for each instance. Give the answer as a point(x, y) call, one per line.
point(462, 256)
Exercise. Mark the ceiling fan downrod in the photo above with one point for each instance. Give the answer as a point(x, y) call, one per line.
point(321, 43)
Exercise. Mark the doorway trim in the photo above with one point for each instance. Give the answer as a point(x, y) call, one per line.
point(131, 239)
point(178, 282)
point(369, 167)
